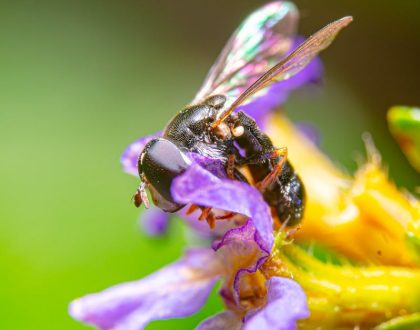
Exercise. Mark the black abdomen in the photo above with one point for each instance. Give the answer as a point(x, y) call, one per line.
point(287, 196)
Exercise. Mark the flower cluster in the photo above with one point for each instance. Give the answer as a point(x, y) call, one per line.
point(268, 280)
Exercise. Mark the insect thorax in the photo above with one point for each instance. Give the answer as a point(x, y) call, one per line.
point(189, 130)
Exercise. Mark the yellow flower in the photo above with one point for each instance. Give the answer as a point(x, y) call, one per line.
point(364, 217)
point(343, 296)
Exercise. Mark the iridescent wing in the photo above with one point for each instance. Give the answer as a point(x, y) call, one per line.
point(259, 43)
point(291, 65)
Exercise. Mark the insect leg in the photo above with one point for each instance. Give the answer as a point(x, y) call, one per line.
point(230, 167)
point(232, 153)
point(270, 178)
point(233, 157)
point(191, 209)
point(205, 213)
point(141, 196)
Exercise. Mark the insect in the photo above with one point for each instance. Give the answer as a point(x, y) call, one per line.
point(251, 61)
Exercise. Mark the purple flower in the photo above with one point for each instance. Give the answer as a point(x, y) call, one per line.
point(310, 132)
point(182, 288)
point(199, 186)
point(130, 156)
point(177, 290)
point(154, 221)
point(285, 304)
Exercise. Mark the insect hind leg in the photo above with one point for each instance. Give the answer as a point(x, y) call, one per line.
point(277, 168)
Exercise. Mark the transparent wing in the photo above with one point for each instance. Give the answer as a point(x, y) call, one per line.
point(291, 65)
point(259, 42)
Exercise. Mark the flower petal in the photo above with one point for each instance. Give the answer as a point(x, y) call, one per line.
point(131, 154)
point(199, 186)
point(286, 304)
point(243, 252)
point(154, 221)
point(310, 132)
point(213, 165)
point(222, 321)
point(177, 290)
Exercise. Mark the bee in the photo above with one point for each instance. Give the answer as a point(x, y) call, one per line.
point(253, 59)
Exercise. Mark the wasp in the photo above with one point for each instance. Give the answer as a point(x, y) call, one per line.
point(253, 59)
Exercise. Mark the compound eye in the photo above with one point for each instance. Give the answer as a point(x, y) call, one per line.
point(160, 162)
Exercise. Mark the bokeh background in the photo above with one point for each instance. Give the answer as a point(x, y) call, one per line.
point(81, 79)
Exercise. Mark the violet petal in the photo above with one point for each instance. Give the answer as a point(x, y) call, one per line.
point(243, 248)
point(177, 290)
point(198, 186)
point(154, 221)
point(213, 165)
point(286, 304)
point(131, 154)
point(222, 321)
point(310, 132)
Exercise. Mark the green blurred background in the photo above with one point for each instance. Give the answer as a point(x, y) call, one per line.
point(79, 80)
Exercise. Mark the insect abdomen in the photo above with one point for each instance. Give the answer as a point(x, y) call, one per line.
point(287, 196)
